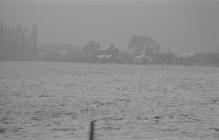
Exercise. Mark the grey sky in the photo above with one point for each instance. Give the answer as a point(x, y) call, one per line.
point(177, 25)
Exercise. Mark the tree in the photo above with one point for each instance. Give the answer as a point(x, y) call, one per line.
point(17, 43)
point(143, 44)
point(34, 37)
point(114, 50)
point(2, 31)
point(91, 48)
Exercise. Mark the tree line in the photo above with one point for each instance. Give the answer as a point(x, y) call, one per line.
point(19, 43)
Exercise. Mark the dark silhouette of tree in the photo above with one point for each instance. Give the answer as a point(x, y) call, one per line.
point(34, 37)
point(144, 48)
point(2, 32)
point(114, 50)
point(143, 45)
point(91, 49)
point(17, 43)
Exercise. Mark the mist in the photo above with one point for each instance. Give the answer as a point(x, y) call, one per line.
point(109, 69)
point(177, 25)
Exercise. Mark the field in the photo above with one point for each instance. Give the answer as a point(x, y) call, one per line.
point(56, 101)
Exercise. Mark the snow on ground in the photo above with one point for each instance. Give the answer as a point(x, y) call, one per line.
point(48, 100)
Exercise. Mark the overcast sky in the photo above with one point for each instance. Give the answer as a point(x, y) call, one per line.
point(189, 25)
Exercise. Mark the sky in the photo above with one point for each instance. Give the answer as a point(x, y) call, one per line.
point(178, 25)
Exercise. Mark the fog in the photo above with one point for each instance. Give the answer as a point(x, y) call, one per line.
point(177, 25)
point(109, 69)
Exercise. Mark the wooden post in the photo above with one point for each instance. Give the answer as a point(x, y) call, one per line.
point(92, 130)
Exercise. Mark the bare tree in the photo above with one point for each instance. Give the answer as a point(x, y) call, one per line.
point(34, 37)
point(2, 31)
point(143, 44)
point(92, 48)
